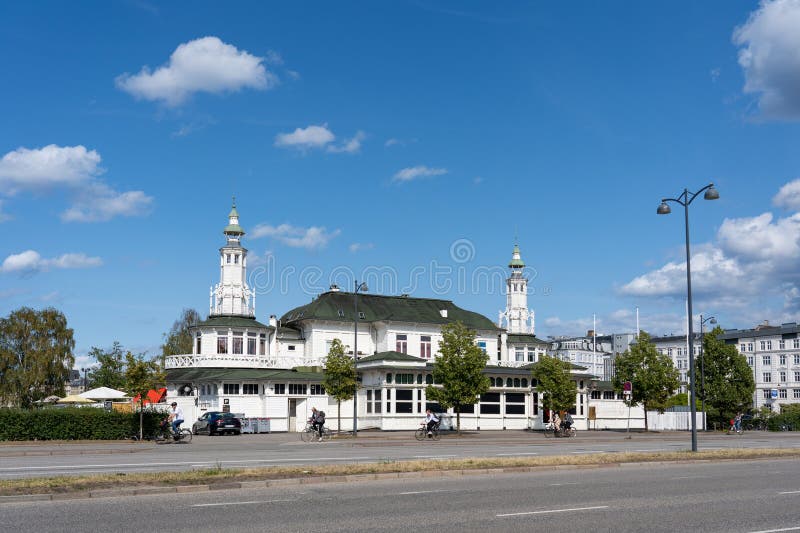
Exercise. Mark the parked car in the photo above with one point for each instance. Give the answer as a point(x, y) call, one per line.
point(216, 423)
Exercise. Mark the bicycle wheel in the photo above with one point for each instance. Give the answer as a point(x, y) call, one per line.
point(326, 434)
point(436, 434)
point(161, 437)
point(572, 432)
point(186, 435)
point(549, 432)
point(420, 434)
point(307, 434)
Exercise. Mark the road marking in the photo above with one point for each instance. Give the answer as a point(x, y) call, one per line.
point(560, 484)
point(238, 503)
point(433, 456)
point(555, 511)
point(790, 492)
point(515, 454)
point(423, 492)
point(687, 477)
point(590, 451)
point(777, 530)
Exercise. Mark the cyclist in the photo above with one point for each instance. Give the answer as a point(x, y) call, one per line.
point(556, 422)
point(737, 423)
point(430, 422)
point(176, 417)
point(317, 421)
point(567, 421)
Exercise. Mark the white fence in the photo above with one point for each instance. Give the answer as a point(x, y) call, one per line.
point(672, 421)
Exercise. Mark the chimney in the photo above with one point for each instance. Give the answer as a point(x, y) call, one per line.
point(273, 321)
point(443, 312)
point(590, 333)
point(334, 288)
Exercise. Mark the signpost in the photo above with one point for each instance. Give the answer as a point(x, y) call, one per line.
point(627, 394)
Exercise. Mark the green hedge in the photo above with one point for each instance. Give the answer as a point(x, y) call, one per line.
point(73, 423)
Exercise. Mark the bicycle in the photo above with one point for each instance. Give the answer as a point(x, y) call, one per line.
point(310, 433)
point(164, 434)
point(551, 431)
point(422, 432)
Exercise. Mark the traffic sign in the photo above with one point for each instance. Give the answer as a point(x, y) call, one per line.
point(773, 393)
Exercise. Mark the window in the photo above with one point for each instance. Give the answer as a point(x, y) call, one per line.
point(238, 342)
point(404, 379)
point(369, 401)
point(750, 360)
point(783, 376)
point(516, 382)
point(389, 378)
point(781, 344)
point(669, 351)
point(251, 345)
point(509, 382)
point(782, 360)
point(766, 345)
point(280, 388)
point(250, 388)
point(236, 259)
point(766, 394)
point(425, 346)
point(230, 388)
point(796, 376)
point(519, 353)
point(401, 343)
point(524, 382)
point(767, 377)
point(228, 259)
point(490, 403)
point(515, 403)
point(198, 344)
point(782, 393)
point(796, 359)
point(766, 360)
point(795, 393)
point(361, 315)
point(297, 389)
point(419, 379)
point(291, 347)
point(262, 344)
point(317, 389)
point(796, 343)
point(340, 312)
point(608, 394)
point(749, 346)
point(482, 346)
point(403, 400)
point(378, 403)
point(389, 401)
point(742, 347)
point(222, 344)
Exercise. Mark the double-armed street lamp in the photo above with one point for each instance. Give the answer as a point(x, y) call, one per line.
point(360, 287)
point(685, 199)
point(710, 320)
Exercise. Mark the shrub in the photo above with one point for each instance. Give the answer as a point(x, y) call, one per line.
point(73, 423)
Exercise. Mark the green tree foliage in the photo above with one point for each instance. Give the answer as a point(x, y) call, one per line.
point(729, 384)
point(677, 400)
point(652, 374)
point(554, 382)
point(179, 339)
point(141, 375)
point(340, 377)
point(35, 355)
point(110, 371)
point(458, 370)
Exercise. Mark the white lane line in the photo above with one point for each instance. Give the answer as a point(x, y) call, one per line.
point(423, 492)
point(433, 456)
point(777, 530)
point(555, 511)
point(238, 503)
point(790, 492)
point(515, 454)
point(590, 451)
point(687, 477)
point(561, 484)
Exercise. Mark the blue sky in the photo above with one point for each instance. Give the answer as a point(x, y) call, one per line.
point(395, 141)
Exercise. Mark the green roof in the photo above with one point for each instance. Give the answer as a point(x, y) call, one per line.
point(339, 306)
point(521, 338)
point(231, 321)
point(233, 228)
point(195, 374)
point(391, 356)
point(516, 259)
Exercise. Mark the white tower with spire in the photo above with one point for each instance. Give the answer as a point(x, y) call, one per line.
point(232, 296)
point(517, 317)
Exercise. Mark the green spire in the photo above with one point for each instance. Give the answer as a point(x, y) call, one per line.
point(516, 258)
point(233, 228)
point(234, 212)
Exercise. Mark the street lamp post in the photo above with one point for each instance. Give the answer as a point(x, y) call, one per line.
point(710, 320)
point(685, 199)
point(85, 379)
point(360, 287)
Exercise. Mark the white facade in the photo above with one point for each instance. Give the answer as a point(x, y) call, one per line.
point(517, 317)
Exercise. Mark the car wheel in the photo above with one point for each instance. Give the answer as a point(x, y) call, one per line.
point(210, 432)
point(237, 432)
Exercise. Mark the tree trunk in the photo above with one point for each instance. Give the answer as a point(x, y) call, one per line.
point(458, 420)
point(339, 416)
point(644, 405)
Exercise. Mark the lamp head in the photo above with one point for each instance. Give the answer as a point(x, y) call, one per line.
point(711, 193)
point(713, 320)
point(663, 209)
point(362, 287)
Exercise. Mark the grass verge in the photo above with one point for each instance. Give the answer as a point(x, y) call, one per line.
point(215, 475)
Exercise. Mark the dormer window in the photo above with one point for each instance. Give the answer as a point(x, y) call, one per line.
point(341, 313)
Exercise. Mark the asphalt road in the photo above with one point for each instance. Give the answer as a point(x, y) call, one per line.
point(742, 496)
point(18, 461)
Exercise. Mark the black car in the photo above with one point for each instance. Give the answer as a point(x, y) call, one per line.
point(216, 423)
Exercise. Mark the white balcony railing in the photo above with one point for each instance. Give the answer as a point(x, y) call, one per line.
point(236, 361)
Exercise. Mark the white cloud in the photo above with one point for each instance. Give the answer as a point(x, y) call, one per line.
point(45, 168)
point(312, 238)
point(100, 203)
point(30, 261)
point(421, 171)
point(770, 55)
point(350, 146)
point(358, 246)
point(3, 216)
point(202, 65)
point(789, 196)
point(306, 138)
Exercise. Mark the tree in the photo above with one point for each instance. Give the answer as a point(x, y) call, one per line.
point(179, 339)
point(652, 374)
point(458, 370)
point(340, 377)
point(554, 381)
point(35, 355)
point(729, 384)
point(141, 375)
point(111, 370)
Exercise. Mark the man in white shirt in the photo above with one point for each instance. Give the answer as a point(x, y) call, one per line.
point(430, 421)
point(176, 417)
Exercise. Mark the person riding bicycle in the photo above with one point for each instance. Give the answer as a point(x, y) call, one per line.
point(556, 421)
point(430, 421)
point(737, 423)
point(317, 421)
point(567, 421)
point(176, 417)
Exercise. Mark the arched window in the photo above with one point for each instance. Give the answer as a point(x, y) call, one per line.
point(509, 382)
point(516, 382)
point(429, 379)
point(419, 379)
point(524, 382)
